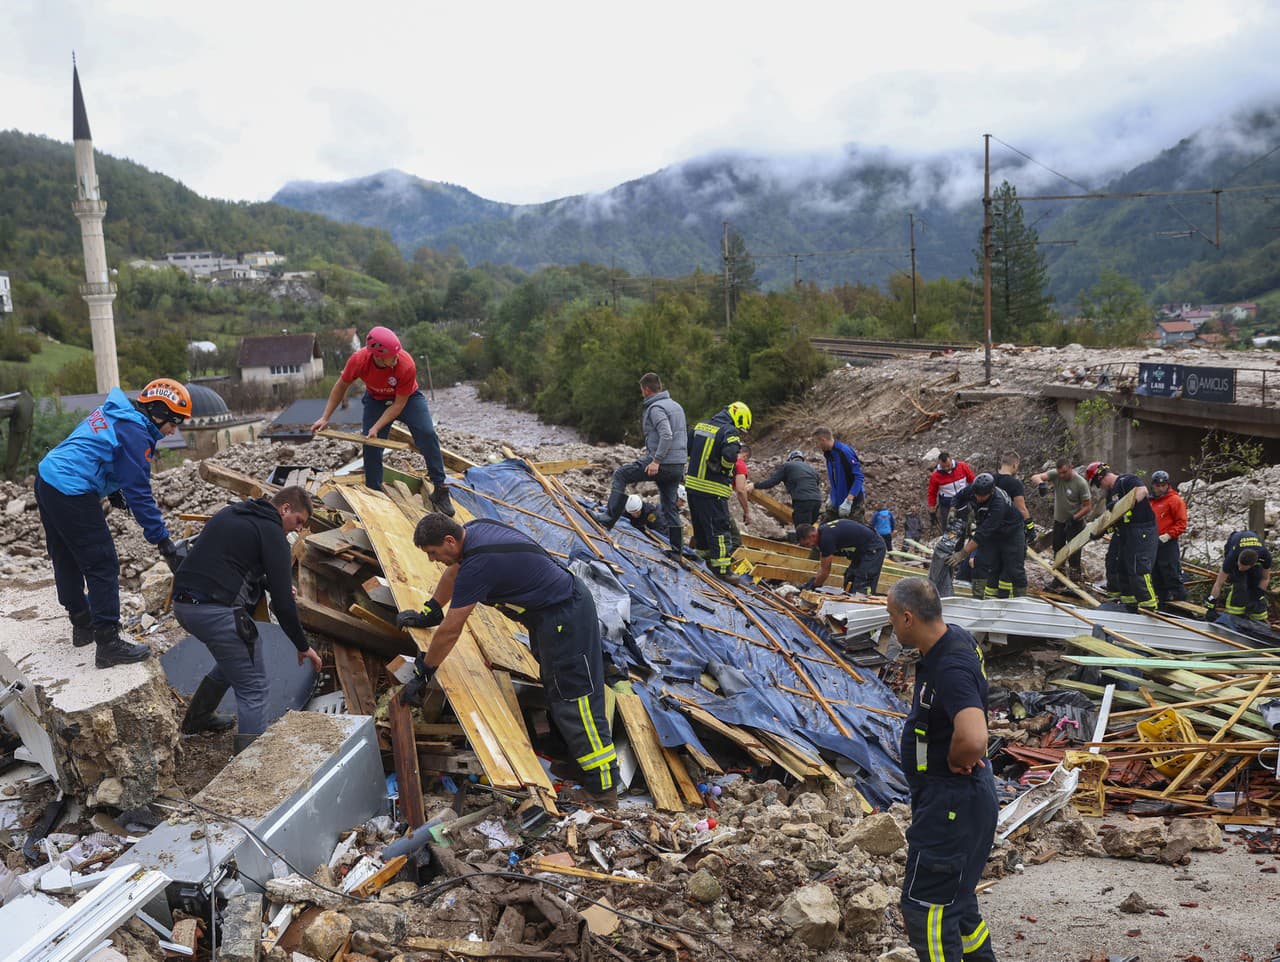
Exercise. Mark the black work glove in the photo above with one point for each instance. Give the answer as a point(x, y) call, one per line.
point(1031, 531)
point(808, 585)
point(116, 500)
point(933, 516)
point(1043, 488)
point(430, 616)
point(1210, 607)
point(169, 552)
point(411, 693)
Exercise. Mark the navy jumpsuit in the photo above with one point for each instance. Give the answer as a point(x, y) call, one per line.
point(1245, 598)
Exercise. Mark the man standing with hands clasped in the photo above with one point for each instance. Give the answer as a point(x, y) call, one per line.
point(953, 795)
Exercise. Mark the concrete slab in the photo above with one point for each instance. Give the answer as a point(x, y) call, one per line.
point(107, 736)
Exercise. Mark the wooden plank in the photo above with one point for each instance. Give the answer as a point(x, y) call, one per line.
point(560, 467)
point(1183, 775)
point(772, 506)
point(452, 948)
point(404, 749)
point(352, 676)
point(688, 790)
point(508, 690)
point(378, 880)
point(236, 481)
point(739, 736)
point(1097, 526)
point(1084, 595)
point(339, 625)
point(539, 864)
point(648, 751)
point(452, 460)
point(353, 438)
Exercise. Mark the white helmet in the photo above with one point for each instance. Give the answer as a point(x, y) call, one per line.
point(681, 493)
point(634, 504)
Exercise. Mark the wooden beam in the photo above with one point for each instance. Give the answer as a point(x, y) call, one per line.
point(772, 506)
point(1183, 775)
point(339, 625)
point(1096, 527)
point(1087, 598)
point(354, 679)
point(405, 751)
point(648, 751)
point(242, 484)
point(353, 438)
point(560, 467)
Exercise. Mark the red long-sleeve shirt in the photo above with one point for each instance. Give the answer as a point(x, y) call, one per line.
point(1171, 514)
point(949, 483)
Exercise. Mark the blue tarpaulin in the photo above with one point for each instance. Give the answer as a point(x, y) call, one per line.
point(680, 627)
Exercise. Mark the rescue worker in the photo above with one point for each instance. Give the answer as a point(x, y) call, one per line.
point(491, 563)
point(391, 394)
point(844, 477)
point(1171, 522)
point(713, 449)
point(948, 479)
point(802, 484)
point(998, 542)
point(1246, 568)
point(666, 443)
point(741, 490)
point(884, 523)
point(643, 515)
point(953, 797)
point(1007, 480)
point(19, 410)
point(108, 455)
point(1133, 535)
point(243, 548)
point(1072, 504)
point(854, 541)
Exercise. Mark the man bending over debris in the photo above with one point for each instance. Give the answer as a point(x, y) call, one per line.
point(391, 394)
point(1135, 533)
point(492, 563)
point(801, 481)
point(108, 455)
point(855, 541)
point(1246, 567)
point(999, 539)
point(953, 795)
point(240, 548)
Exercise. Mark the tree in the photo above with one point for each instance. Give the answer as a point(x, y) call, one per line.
point(742, 277)
point(1020, 298)
point(1117, 307)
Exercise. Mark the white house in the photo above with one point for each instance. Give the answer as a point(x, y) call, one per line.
point(261, 258)
point(280, 360)
point(6, 293)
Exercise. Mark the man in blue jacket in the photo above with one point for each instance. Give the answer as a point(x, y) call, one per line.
point(844, 474)
point(108, 455)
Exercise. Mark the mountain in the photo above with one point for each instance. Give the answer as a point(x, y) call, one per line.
point(669, 222)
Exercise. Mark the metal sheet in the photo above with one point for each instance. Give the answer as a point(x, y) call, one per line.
point(1032, 618)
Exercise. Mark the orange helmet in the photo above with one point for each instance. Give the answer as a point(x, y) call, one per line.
point(1096, 469)
point(166, 400)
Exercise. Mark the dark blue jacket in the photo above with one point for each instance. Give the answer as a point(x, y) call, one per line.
point(844, 472)
point(109, 451)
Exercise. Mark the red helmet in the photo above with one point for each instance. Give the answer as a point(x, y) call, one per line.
point(1096, 469)
point(382, 342)
point(166, 400)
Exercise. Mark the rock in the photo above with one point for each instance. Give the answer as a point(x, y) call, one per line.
point(325, 935)
point(241, 929)
point(1204, 835)
point(389, 921)
point(810, 803)
point(1129, 839)
point(931, 456)
point(902, 953)
point(864, 912)
point(295, 888)
point(878, 834)
point(15, 507)
point(155, 584)
point(812, 914)
point(1175, 851)
point(1135, 904)
point(806, 831)
point(109, 792)
point(704, 887)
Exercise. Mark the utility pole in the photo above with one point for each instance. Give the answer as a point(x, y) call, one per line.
point(724, 248)
point(986, 251)
point(613, 281)
point(915, 324)
point(795, 272)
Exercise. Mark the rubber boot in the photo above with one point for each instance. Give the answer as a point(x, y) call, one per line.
point(82, 629)
point(979, 588)
point(441, 500)
point(1020, 592)
point(676, 551)
point(114, 650)
point(242, 742)
point(201, 715)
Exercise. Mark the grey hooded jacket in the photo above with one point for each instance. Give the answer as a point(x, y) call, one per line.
point(666, 435)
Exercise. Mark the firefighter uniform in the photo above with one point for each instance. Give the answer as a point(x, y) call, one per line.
point(502, 567)
point(1000, 563)
point(1171, 520)
point(953, 816)
point(858, 543)
point(1245, 598)
point(713, 448)
point(1136, 553)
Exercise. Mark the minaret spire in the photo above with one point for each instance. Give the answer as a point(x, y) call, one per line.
point(90, 209)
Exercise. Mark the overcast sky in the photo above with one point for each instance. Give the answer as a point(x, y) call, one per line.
point(529, 101)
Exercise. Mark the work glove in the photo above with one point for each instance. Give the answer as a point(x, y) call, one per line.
point(1164, 538)
point(956, 560)
point(1031, 531)
point(933, 517)
point(845, 509)
point(169, 552)
point(411, 693)
point(430, 616)
point(808, 585)
point(1043, 488)
point(116, 500)
point(1210, 607)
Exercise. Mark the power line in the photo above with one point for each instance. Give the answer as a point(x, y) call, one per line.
point(1253, 163)
point(1038, 164)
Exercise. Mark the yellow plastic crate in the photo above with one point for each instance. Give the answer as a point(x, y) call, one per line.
point(1168, 726)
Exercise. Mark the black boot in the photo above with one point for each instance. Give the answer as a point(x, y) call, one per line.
point(201, 715)
point(114, 650)
point(242, 742)
point(441, 500)
point(605, 521)
point(676, 552)
point(82, 629)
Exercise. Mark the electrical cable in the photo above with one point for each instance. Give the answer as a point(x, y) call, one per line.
point(1075, 183)
point(440, 887)
point(1253, 163)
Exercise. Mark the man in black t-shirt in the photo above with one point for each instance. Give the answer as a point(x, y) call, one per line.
point(953, 799)
point(852, 539)
point(997, 543)
point(491, 563)
point(1246, 567)
point(1136, 532)
point(1007, 480)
